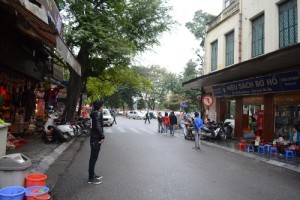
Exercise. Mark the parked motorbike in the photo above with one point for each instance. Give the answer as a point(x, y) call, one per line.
point(84, 124)
point(189, 133)
point(228, 128)
point(67, 129)
point(213, 131)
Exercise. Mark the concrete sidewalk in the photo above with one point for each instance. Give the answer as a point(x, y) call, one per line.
point(279, 160)
point(41, 155)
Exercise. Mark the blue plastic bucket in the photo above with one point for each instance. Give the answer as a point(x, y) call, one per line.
point(12, 193)
point(36, 190)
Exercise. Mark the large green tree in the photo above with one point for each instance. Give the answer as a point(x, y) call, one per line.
point(198, 27)
point(104, 34)
point(154, 96)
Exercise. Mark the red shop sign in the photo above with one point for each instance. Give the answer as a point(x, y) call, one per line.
point(207, 100)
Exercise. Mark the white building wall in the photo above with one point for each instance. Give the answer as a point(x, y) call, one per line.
point(254, 8)
point(219, 33)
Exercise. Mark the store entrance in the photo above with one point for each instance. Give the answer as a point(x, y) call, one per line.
point(287, 114)
point(255, 118)
point(285, 118)
point(253, 115)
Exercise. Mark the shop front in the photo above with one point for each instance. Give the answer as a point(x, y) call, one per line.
point(266, 106)
point(261, 95)
point(286, 113)
point(26, 43)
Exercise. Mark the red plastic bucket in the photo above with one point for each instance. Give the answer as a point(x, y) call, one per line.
point(40, 197)
point(35, 180)
point(35, 192)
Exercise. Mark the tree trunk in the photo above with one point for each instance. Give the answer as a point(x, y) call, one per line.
point(74, 89)
point(75, 84)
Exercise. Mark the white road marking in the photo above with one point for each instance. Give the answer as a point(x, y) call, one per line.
point(143, 130)
point(134, 130)
point(121, 130)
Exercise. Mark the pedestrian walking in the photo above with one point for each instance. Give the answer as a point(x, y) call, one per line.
point(96, 140)
point(114, 115)
point(160, 122)
point(147, 117)
point(166, 122)
point(198, 125)
point(182, 123)
point(173, 123)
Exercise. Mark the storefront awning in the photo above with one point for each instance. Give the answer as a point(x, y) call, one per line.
point(274, 62)
point(43, 32)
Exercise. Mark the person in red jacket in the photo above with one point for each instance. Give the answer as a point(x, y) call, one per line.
point(166, 122)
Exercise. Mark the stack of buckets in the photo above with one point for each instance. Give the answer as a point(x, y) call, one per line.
point(35, 189)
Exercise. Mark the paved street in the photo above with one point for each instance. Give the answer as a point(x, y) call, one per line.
point(138, 163)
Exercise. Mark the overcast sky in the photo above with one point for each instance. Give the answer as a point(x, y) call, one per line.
point(178, 46)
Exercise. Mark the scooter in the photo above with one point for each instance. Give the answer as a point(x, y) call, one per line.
point(84, 124)
point(67, 129)
point(213, 131)
point(189, 133)
point(228, 127)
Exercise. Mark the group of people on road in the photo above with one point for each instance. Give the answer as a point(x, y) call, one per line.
point(167, 122)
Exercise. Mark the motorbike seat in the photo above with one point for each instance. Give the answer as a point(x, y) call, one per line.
point(205, 128)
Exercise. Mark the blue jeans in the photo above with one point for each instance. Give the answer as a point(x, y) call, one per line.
point(197, 138)
point(172, 129)
point(182, 129)
point(166, 129)
point(160, 127)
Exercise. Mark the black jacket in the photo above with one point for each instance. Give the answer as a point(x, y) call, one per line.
point(97, 133)
point(173, 119)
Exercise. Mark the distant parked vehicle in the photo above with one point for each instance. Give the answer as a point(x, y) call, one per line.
point(134, 114)
point(107, 118)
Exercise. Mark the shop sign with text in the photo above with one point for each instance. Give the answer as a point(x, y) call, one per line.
point(283, 82)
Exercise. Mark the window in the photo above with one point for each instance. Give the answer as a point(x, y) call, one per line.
point(214, 55)
point(229, 60)
point(258, 36)
point(288, 23)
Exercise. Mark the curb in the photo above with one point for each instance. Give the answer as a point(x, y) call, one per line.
point(253, 156)
point(48, 160)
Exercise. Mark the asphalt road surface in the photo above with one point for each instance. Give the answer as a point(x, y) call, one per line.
point(137, 163)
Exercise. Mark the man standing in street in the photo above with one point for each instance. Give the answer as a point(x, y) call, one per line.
point(147, 117)
point(160, 121)
point(114, 115)
point(173, 123)
point(198, 125)
point(96, 140)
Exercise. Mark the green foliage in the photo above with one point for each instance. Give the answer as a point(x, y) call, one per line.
point(115, 31)
point(105, 34)
point(190, 71)
point(198, 25)
point(112, 79)
point(198, 28)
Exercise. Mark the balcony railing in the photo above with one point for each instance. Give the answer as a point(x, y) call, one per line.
point(233, 8)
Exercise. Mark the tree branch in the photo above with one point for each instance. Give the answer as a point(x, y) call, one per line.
point(99, 3)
